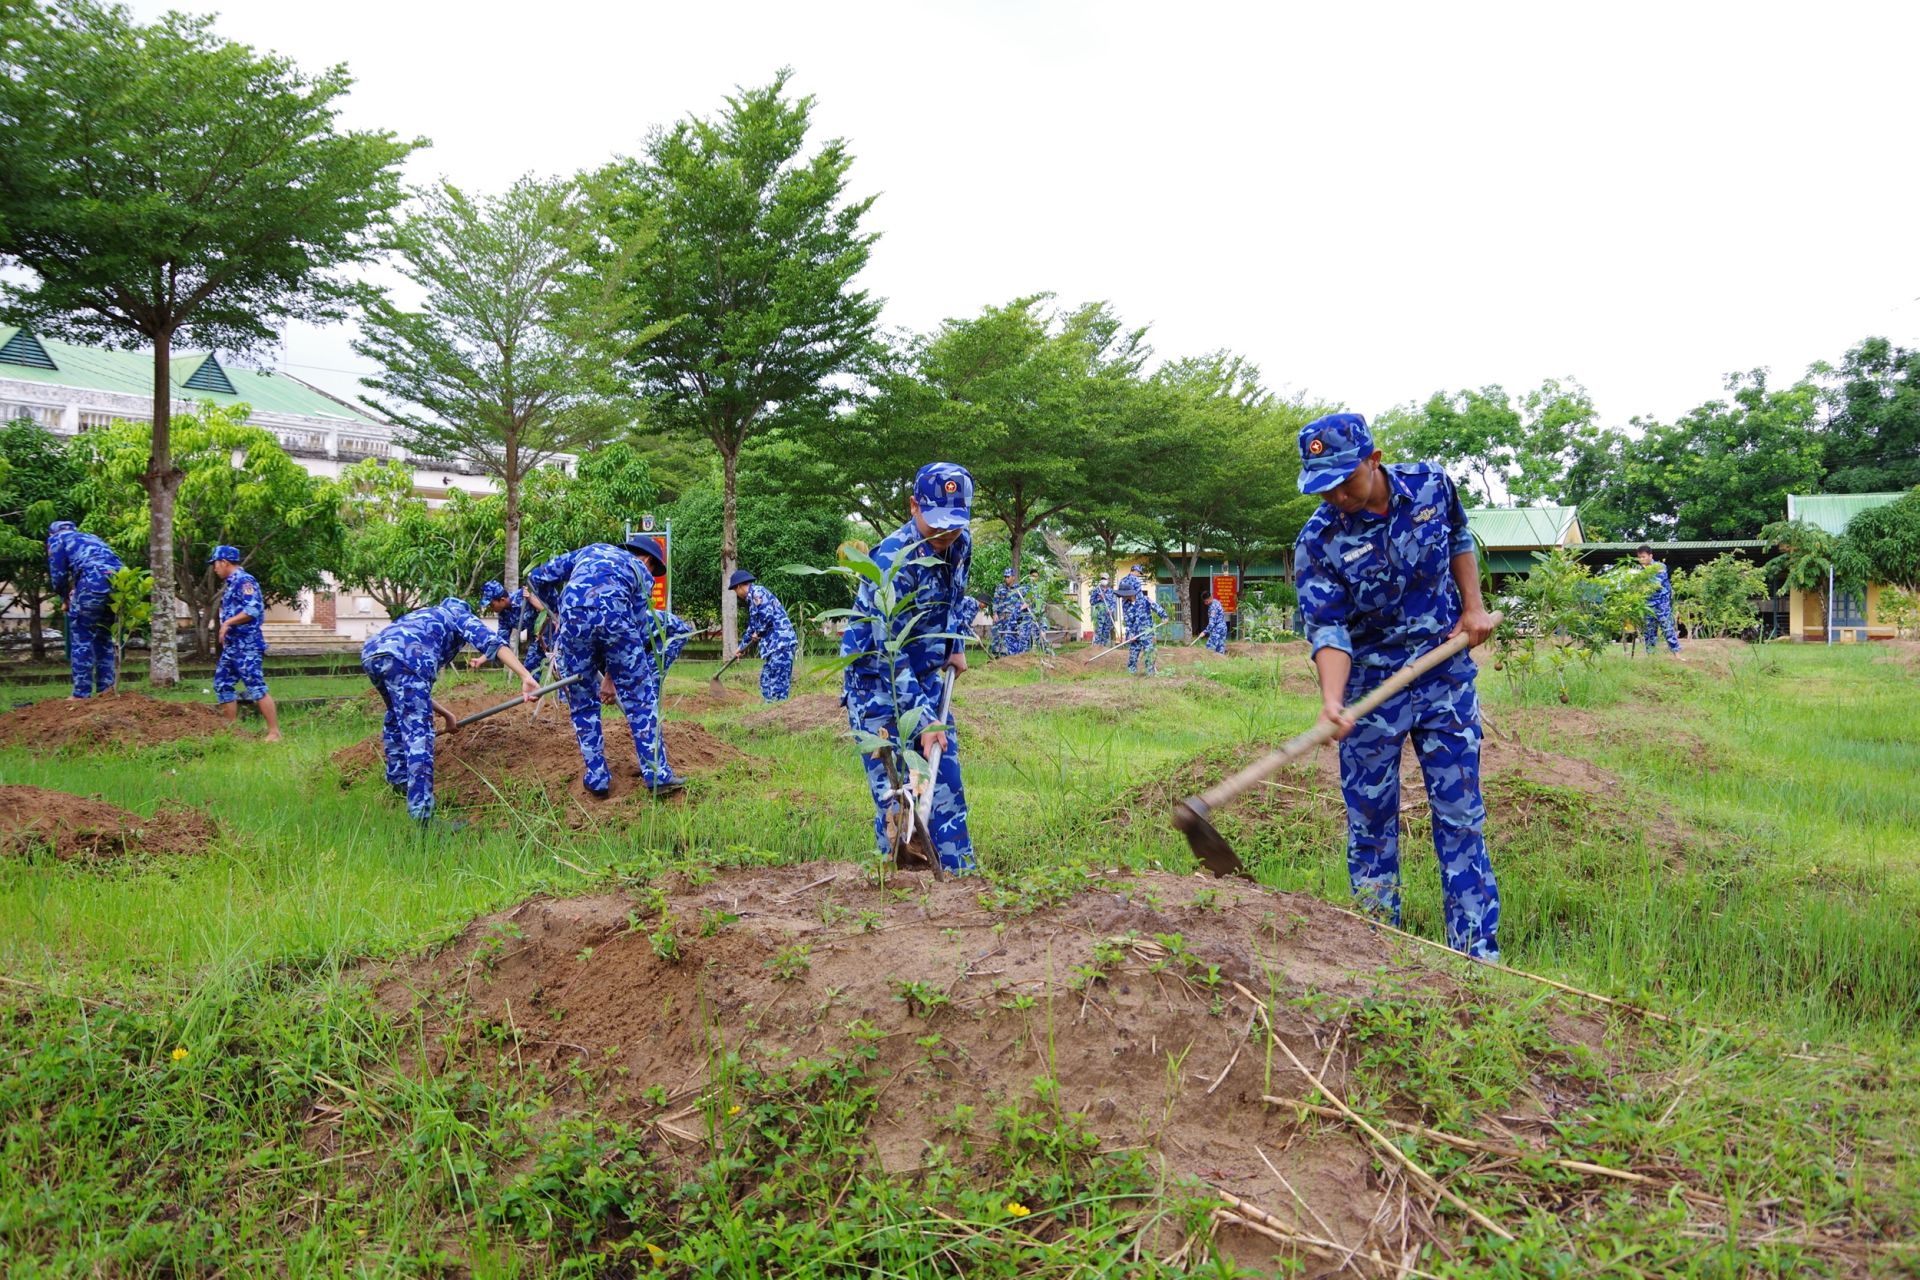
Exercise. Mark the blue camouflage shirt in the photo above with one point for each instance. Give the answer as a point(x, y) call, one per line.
point(932, 596)
point(242, 595)
point(1662, 586)
point(518, 616)
point(1381, 587)
point(71, 552)
point(428, 639)
point(595, 583)
point(768, 622)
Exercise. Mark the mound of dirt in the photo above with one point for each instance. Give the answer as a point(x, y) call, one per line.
point(702, 698)
point(90, 829)
point(1523, 787)
point(1107, 698)
point(109, 719)
point(517, 754)
point(1138, 995)
point(798, 714)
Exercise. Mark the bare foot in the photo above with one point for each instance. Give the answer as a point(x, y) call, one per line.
point(274, 736)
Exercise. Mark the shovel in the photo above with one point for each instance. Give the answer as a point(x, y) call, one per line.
point(1192, 815)
point(722, 671)
point(509, 705)
point(910, 823)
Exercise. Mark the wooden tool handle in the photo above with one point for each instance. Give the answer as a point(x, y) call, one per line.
point(1254, 774)
point(544, 690)
point(925, 802)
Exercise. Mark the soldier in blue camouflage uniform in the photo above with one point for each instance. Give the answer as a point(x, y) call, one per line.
point(1103, 603)
point(966, 614)
point(1009, 619)
point(671, 635)
point(1034, 600)
point(879, 699)
point(402, 660)
point(241, 642)
point(769, 627)
point(1216, 625)
point(518, 622)
point(82, 569)
point(603, 595)
point(1386, 571)
point(1140, 610)
point(1660, 603)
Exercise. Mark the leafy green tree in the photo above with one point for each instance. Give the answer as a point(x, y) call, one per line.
point(1558, 431)
point(1888, 541)
point(751, 251)
point(238, 486)
point(1475, 435)
point(405, 554)
point(611, 488)
point(1810, 557)
point(130, 605)
point(39, 483)
point(1734, 461)
point(1873, 425)
point(1561, 616)
point(508, 360)
point(162, 184)
point(1720, 597)
point(779, 531)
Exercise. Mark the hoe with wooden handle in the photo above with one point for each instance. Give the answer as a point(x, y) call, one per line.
point(540, 693)
point(1193, 815)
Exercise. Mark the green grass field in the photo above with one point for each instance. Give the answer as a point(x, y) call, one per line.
point(167, 1025)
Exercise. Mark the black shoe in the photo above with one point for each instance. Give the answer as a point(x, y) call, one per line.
point(598, 793)
point(399, 788)
point(661, 790)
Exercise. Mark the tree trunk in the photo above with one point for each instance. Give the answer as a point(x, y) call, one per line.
point(729, 547)
point(510, 474)
point(36, 625)
point(163, 485)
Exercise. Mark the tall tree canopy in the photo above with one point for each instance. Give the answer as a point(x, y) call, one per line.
point(239, 487)
point(1874, 425)
point(508, 360)
point(749, 249)
point(161, 184)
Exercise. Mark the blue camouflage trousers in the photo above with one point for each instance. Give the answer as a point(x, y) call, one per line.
point(870, 709)
point(1442, 713)
point(1102, 627)
point(90, 656)
point(776, 674)
point(239, 666)
point(1217, 636)
point(1661, 616)
point(406, 736)
point(591, 649)
point(1037, 637)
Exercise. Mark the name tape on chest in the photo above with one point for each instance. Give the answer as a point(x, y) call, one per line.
point(1364, 549)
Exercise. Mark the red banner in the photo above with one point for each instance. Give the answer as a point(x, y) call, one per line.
point(1226, 588)
point(660, 583)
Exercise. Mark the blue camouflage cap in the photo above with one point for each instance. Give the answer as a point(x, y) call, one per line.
point(944, 491)
point(1331, 448)
point(60, 526)
point(492, 591)
point(225, 552)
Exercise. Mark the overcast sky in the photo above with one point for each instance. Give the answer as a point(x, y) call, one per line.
point(1371, 201)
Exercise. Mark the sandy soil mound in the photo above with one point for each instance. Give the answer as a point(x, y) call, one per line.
point(88, 828)
point(1107, 698)
point(517, 754)
point(1072, 663)
point(112, 719)
point(1523, 787)
point(702, 698)
point(801, 712)
point(1124, 993)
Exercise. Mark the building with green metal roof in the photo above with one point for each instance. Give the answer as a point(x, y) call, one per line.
point(68, 389)
point(1837, 617)
point(1510, 537)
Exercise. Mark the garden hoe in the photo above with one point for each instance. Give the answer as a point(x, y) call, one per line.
point(543, 691)
point(1123, 644)
point(1193, 815)
point(717, 686)
point(909, 817)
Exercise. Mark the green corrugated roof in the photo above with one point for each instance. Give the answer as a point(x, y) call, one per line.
point(131, 373)
point(1710, 544)
point(1834, 511)
point(1520, 526)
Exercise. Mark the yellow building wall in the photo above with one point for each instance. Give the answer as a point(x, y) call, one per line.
point(1807, 615)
